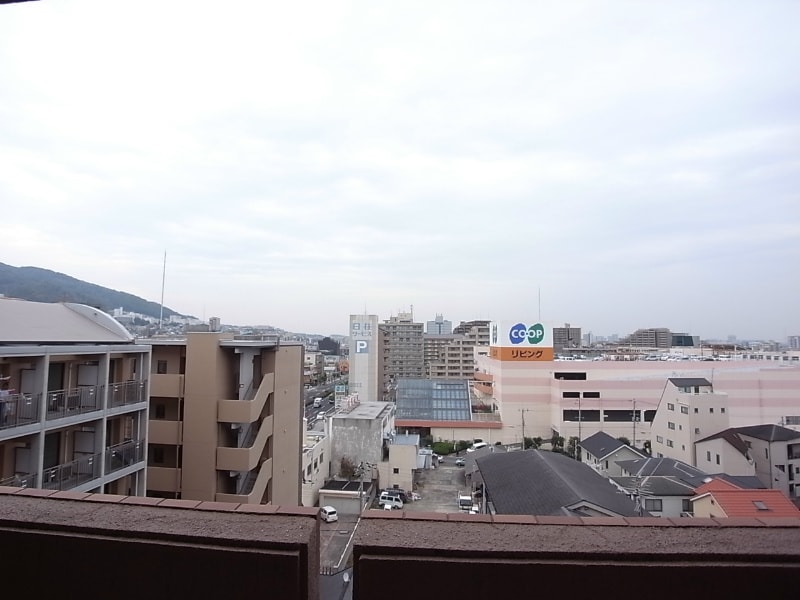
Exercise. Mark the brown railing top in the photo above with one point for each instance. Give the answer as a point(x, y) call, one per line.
point(634, 538)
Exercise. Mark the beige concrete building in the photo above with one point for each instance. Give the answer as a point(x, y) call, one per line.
point(689, 410)
point(403, 461)
point(73, 400)
point(316, 465)
point(403, 354)
point(225, 419)
point(455, 358)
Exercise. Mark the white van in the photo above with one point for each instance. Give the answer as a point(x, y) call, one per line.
point(317, 402)
point(328, 514)
point(390, 501)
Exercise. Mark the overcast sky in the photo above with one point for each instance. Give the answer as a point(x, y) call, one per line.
point(637, 162)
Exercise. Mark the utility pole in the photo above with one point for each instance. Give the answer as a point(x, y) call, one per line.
point(523, 411)
point(633, 441)
point(580, 421)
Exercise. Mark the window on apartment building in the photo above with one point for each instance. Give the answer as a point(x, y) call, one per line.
point(670, 406)
point(158, 455)
point(722, 410)
point(708, 455)
point(697, 431)
point(683, 447)
point(670, 444)
point(570, 394)
point(315, 465)
point(684, 410)
point(659, 439)
point(680, 427)
point(696, 410)
point(160, 411)
point(670, 425)
point(766, 453)
point(711, 410)
point(591, 394)
point(321, 457)
point(717, 458)
point(653, 504)
point(308, 471)
point(161, 367)
point(396, 471)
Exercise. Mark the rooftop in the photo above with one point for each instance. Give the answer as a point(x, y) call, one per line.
point(601, 444)
point(433, 399)
point(363, 410)
point(769, 433)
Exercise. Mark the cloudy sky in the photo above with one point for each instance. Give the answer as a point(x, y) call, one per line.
point(637, 162)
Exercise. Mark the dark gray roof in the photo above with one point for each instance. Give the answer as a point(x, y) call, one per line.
point(768, 433)
point(538, 482)
point(644, 467)
point(433, 399)
point(657, 485)
point(601, 444)
point(730, 436)
point(689, 381)
point(746, 482)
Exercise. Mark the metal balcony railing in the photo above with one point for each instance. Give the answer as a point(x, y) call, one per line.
point(72, 474)
point(128, 392)
point(123, 455)
point(19, 409)
point(64, 403)
point(23, 481)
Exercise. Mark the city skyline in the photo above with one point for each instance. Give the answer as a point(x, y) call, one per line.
point(631, 165)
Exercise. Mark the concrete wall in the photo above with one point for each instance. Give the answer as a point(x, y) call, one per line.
point(731, 461)
point(287, 441)
point(404, 460)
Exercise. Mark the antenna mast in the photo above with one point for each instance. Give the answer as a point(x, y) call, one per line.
point(163, 281)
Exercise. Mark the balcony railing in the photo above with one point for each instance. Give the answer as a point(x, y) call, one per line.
point(65, 403)
point(24, 481)
point(19, 409)
point(72, 474)
point(129, 392)
point(123, 455)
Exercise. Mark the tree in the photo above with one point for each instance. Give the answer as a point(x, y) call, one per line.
point(533, 443)
point(347, 468)
point(557, 442)
point(573, 449)
point(624, 440)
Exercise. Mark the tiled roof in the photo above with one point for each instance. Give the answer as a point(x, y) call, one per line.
point(537, 482)
point(655, 486)
point(601, 444)
point(730, 436)
point(745, 503)
point(769, 433)
point(642, 467)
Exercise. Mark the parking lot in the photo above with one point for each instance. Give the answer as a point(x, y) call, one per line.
point(439, 488)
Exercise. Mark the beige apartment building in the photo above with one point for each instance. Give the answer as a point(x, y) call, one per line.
point(73, 400)
point(454, 358)
point(225, 419)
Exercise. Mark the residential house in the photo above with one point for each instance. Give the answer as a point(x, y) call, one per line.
point(715, 500)
point(538, 482)
point(601, 452)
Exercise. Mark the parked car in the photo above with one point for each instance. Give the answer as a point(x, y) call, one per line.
point(328, 514)
point(390, 501)
point(460, 462)
point(397, 493)
point(477, 446)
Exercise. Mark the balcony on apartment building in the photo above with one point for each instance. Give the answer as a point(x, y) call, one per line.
point(84, 472)
point(213, 549)
point(20, 410)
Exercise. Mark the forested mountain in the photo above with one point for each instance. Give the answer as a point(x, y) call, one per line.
point(41, 285)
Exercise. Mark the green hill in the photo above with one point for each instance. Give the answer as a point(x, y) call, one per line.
point(41, 285)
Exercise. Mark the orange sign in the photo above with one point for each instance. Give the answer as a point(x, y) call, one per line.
point(525, 353)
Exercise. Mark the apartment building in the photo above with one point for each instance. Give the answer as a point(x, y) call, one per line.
point(456, 357)
point(689, 410)
point(73, 400)
point(402, 349)
point(566, 337)
point(653, 337)
point(226, 419)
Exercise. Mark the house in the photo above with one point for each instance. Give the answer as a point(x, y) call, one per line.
point(601, 452)
point(716, 500)
point(725, 451)
point(776, 453)
point(659, 495)
point(538, 482)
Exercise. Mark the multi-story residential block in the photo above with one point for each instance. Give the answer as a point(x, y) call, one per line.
point(456, 358)
point(724, 452)
point(566, 337)
point(654, 337)
point(365, 358)
point(73, 400)
point(402, 349)
point(689, 410)
point(226, 419)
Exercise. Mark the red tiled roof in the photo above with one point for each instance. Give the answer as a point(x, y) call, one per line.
point(742, 503)
point(715, 485)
